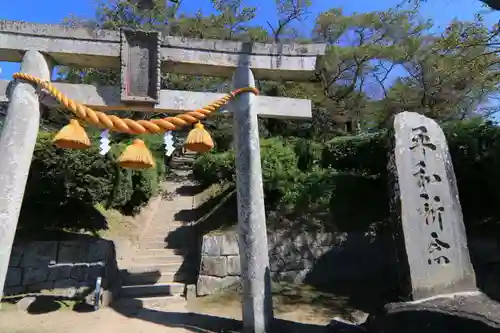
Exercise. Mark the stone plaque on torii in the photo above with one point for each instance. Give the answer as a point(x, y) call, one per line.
point(141, 56)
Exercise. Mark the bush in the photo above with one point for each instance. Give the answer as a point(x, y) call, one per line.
point(297, 190)
point(279, 168)
point(475, 150)
point(64, 185)
point(213, 167)
point(366, 154)
point(358, 201)
point(350, 191)
point(308, 153)
point(310, 191)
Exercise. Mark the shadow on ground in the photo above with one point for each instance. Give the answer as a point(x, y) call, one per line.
point(189, 190)
point(352, 271)
point(290, 301)
point(360, 269)
point(42, 304)
point(203, 323)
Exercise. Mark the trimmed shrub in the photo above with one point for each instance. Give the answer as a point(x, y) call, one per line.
point(64, 185)
point(349, 189)
point(475, 150)
point(366, 153)
point(279, 168)
point(212, 167)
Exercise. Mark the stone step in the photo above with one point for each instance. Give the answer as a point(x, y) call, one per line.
point(151, 302)
point(188, 156)
point(140, 268)
point(148, 259)
point(160, 253)
point(180, 171)
point(156, 277)
point(166, 213)
point(170, 207)
point(174, 243)
point(144, 260)
point(157, 289)
point(181, 166)
point(160, 227)
point(159, 233)
point(159, 239)
point(182, 162)
point(182, 174)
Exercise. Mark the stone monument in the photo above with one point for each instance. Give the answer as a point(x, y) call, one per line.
point(437, 278)
point(427, 211)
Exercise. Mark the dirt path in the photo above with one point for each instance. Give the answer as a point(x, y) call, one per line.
point(109, 320)
point(173, 318)
point(291, 302)
point(306, 312)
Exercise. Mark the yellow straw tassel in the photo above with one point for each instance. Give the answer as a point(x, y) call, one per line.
point(72, 136)
point(136, 156)
point(198, 139)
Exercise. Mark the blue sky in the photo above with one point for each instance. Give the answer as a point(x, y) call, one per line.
point(54, 11)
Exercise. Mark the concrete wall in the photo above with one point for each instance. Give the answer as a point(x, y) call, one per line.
point(65, 268)
point(313, 257)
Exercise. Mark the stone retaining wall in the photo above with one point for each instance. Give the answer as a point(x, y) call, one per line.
point(65, 268)
point(312, 257)
point(324, 260)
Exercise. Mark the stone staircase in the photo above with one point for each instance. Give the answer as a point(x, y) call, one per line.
point(161, 265)
point(183, 162)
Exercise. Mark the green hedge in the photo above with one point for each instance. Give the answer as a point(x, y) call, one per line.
point(364, 154)
point(296, 189)
point(345, 186)
point(475, 150)
point(279, 168)
point(64, 186)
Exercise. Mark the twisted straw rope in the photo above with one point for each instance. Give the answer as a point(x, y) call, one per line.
point(130, 126)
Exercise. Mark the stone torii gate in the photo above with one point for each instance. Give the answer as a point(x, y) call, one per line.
point(141, 56)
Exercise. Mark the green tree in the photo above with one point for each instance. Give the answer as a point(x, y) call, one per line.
point(449, 78)
point(358, 47)
point(493, 4)
point(352, 90)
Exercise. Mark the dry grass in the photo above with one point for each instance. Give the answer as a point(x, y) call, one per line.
point(119, 226)
point(209, 193)
point(299, 303)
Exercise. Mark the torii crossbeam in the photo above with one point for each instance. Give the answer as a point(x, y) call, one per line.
point(141, 56)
